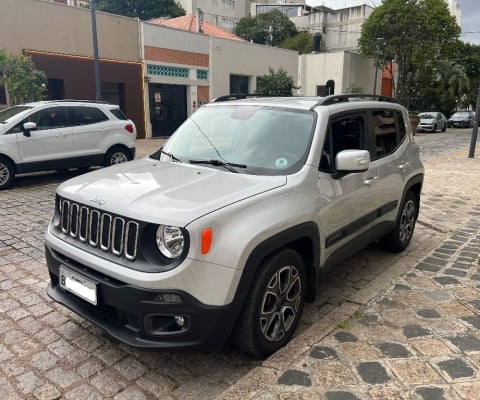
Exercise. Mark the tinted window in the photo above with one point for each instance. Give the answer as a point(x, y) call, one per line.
point(89, 115)
point(50, 118)
point(119, 114)
point(345, 132)
point(384, 129)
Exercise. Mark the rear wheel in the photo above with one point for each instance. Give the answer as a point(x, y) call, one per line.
point(399, 238)
point(7, 173)
point(444, 128)
point(116, 155)
point(274, 305)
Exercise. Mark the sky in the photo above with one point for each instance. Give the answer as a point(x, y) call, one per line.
point(470, 21)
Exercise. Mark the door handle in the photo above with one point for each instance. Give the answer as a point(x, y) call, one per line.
point(371, 180)
point(404, 166)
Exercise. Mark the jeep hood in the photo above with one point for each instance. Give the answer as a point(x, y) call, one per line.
point(164, 192)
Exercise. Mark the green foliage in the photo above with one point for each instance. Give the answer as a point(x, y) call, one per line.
point(142, 9)
point(276, 83)
point(445, 87)
point(270, 28)
point(468, 56)
point(22, 80)
point(413, 32)
point(355, 89)
point(301, 42)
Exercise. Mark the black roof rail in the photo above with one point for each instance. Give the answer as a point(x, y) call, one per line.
point(340, 98)
point(241, 96)
point(77, 101)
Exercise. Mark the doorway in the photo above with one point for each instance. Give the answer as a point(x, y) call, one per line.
point(168, 108)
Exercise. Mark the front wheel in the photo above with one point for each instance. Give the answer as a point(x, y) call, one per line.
point(7, 173)
point(399, 238)
point(274, 305)
point(117, 155)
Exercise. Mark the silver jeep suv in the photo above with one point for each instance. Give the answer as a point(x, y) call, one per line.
point(61, 134)
point(221, 233)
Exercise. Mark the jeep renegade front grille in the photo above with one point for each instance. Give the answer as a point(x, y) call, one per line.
point(99, 229)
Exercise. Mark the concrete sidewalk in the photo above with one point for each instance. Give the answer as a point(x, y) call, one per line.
point(411, 334)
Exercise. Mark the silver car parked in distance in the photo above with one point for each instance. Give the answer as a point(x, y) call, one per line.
point(431, 122)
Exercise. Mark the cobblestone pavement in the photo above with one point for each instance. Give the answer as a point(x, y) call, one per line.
point(413, 331)
point(47, 352)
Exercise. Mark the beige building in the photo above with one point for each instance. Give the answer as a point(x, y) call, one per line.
point(158, 75)
point(185, 69)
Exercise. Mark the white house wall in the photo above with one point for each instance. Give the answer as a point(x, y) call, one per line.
point(346, 69)
point(243, 58)
point(174, 39)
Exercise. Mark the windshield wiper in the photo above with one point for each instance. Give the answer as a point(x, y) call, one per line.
point(161, 151)
point(220, 163)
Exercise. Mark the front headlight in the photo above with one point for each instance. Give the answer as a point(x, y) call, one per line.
point(170, 241)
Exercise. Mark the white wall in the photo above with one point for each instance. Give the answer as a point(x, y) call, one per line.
point(345, 68)
point(242, 58)
point(174, 39)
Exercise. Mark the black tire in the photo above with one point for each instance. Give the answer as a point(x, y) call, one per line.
point(116, 155)
point(434, 128)
point(444, 128)
point(274, 305)
point(7, 173)
point(399, 238)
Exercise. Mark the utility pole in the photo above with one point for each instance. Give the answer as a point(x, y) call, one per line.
point(379, 41)
point(96, 66)
point(473, 140)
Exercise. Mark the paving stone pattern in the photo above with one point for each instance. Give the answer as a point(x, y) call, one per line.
point(416, 337)
point(47, 352)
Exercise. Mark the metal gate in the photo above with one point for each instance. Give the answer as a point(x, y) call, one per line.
point(168, 108)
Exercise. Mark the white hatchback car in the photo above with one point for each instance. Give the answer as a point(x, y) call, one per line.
point(49, 135)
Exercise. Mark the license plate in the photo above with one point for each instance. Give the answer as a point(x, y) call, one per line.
point(78, 285)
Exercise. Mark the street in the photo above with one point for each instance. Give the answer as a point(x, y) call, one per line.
point(47, 352)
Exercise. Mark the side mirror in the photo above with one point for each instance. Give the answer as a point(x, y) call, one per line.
point(27, 127)
point(352, 160)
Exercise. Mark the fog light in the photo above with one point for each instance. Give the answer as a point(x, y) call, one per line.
point(167, 298)
point(179, 320)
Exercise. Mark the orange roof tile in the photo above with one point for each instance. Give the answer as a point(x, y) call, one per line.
point(189, 23)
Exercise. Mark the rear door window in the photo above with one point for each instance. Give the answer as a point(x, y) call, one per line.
point(88, 115)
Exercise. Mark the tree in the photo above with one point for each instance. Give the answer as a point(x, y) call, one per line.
point(413, 32)
point(21, 79)
point(270, 28)
point(301, 42)
point(276, 83)
point(142, 9)
point(468, 56)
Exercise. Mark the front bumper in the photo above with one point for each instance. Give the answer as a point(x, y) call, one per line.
point(425, 128)
point(458, 124)
point(144, 318)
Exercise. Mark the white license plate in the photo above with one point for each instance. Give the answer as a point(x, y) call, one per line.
point(78, 285)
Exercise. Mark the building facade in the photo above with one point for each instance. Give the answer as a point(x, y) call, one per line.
point(58, 38)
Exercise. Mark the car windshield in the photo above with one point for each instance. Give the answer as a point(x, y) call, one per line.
point(426, 115)
point(10, 112)
point(256, 140)
point(461, 115)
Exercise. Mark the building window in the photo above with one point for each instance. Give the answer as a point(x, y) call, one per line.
point(238, 84)
point(228, 23)
point(228, 4)
point(202, 74)
point(164, 70)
